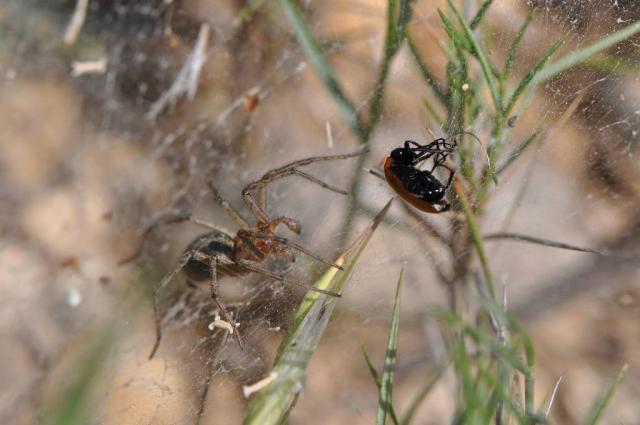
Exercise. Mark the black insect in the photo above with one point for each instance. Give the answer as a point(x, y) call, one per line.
point(420, 187)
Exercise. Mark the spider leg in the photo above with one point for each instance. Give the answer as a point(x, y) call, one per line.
point(164, 282)
point(257, 269)
point(319, 182)
point(253, 204)
point(258, 206)
point(216, 300)
point(248, 235)
point(292, 224)
point(307, 161)
point(235, 215)
point(262, 198)
point(166, 218)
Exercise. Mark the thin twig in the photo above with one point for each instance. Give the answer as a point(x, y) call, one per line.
point(610, 269)
point(476, 238)
point(556, 244)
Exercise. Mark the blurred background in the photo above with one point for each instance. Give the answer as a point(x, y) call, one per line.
point(111, 118)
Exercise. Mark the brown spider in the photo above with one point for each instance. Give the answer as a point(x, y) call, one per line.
point(217, 253)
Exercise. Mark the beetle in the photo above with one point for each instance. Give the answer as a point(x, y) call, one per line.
point(420, 187)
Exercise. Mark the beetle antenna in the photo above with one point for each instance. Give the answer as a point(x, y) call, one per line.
point(477, 139)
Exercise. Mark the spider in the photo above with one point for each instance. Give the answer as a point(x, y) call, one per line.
point(216, 253)
point(420, 187)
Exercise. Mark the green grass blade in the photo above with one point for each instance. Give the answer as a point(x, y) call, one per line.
point(599, 407)
point(513, 51)
point(457, 76)
point(533, 73)
point(529, 375)
point(476, 50)
point(469, 400)
point(376, 379)
point(392, 24)
point(426, 74)
point(483, 9)
point(272, 404)
point(456, 36)
point(391, 43)
point(319, 62)
point(247, 12)
point(386, 385)
point(398, 15)
point(484, 339)
point(404, 16)
point(581, 55)
point(76, 404)
point(613, 64)
point(530, 357)
point(434, 114)
point(476, 238)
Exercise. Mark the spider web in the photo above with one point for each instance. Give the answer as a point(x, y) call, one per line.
point(129, 120)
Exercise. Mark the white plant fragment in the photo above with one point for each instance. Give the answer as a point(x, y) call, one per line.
point(186, 82)
point(222, 324)
point(248, 390)
point(327, 128)
point(77, 21)
point(79, 68)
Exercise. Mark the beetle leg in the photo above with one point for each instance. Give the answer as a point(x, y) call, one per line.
point(451, 175)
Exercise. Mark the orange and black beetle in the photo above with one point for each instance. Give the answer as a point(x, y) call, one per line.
point(420, 187)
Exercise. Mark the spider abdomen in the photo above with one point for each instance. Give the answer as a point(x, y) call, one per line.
point(215, 244)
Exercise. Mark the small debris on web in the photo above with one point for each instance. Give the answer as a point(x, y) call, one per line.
point(79, 68)
point(329, 135)
point(251, 100)
point(221, 324)
point(74, 297)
